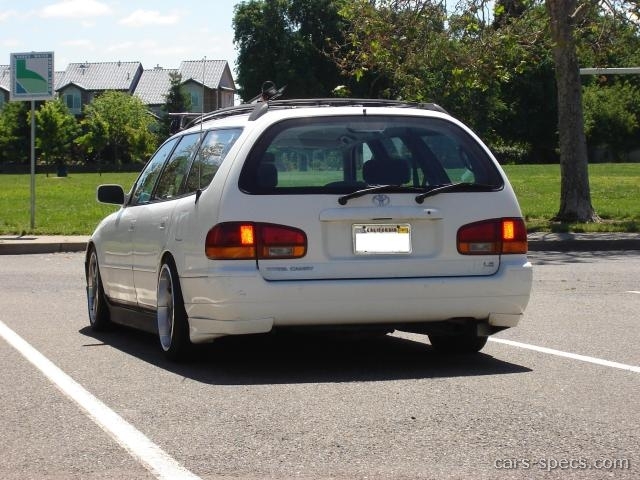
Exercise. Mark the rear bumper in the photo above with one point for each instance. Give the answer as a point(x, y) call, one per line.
point(246, 303)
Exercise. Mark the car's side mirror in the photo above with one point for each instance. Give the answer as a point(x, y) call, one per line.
point(110, 194)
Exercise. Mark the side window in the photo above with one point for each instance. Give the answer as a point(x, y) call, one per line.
point(176, 168)
point(213, 150)
point(144, 186)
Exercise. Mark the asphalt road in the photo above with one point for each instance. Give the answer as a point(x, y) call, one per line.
point(305, 407)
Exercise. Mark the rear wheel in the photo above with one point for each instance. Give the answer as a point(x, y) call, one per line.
point(458, 343)
point(99, 315)
point(173, 327)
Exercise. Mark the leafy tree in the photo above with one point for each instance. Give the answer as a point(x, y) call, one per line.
point(612, 117)
point(15, 132)
point(506, 74)
point(285, 41)
point(117, 128)
point(177, 101)
point(56, 130)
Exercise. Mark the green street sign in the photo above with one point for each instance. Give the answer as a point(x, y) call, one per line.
point(31, 76)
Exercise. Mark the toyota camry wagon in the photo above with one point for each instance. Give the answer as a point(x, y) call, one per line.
point(333, 213)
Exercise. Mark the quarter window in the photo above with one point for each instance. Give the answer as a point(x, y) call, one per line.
point(213, 150)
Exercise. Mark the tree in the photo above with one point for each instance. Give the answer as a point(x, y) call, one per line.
point(117, 126)
point(575, 194)
point(15, 132)
point(495, 72)
point(177, 101)
point(284, 41)
point(612, 118)
point(56, 131)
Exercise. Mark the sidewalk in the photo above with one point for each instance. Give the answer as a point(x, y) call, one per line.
point(538, 242)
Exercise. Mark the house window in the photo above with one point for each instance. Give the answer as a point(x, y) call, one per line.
point(72, 100)
point(195, 100)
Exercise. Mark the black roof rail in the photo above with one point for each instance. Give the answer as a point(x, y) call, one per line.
point(256, 110)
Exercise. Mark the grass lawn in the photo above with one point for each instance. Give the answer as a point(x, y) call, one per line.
point(67, 205)
point(615, 195)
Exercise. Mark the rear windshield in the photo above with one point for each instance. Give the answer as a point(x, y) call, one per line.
point(345, 154)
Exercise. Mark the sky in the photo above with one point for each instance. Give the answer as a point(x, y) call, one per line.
point(153, 32)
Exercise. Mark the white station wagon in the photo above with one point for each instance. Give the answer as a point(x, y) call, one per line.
point(332, 213)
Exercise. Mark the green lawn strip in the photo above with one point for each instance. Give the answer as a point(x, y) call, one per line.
point(64, 205)
point(615, 195)
point(68, 206)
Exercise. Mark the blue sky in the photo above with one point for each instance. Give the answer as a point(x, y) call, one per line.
point(154, 32)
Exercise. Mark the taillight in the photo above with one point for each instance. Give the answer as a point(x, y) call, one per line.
point(249, 240)
point(493, 237)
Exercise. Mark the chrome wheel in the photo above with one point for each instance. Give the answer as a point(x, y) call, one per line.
point(96, 302)
point(173, 327)
point(166, 306)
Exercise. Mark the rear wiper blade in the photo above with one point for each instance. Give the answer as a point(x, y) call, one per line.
point(378, 188)
point(456, 187)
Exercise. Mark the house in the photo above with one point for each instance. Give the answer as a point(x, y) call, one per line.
point(81, 82)
point(5, 84)
point(153, 87)
point(208, 83)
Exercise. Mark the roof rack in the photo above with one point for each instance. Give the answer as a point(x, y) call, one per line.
point(256, 110)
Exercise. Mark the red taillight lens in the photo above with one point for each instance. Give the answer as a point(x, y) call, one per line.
point(493, 237)
point(247, 240)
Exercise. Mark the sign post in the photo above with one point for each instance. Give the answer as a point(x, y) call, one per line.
point(31, 80)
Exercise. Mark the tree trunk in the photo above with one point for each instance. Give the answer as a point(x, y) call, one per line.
point(575, 196)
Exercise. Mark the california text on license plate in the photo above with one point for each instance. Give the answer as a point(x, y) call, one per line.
point(381, 238)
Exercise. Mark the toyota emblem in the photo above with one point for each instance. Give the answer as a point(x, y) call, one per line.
point(381, 200)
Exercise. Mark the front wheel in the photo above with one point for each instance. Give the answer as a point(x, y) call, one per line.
point(460, 344)
point(99, 315)
point(173, 327)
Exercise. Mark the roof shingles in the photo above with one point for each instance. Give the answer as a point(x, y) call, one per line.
point(102, 76)
point(154, 85)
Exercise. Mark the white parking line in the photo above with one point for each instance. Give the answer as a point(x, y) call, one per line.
point(633, 291)
point(152, 457)
point(573, 356)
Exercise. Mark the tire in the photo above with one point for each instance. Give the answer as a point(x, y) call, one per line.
point(99, 315)
point(458, 344)
point(173, 326)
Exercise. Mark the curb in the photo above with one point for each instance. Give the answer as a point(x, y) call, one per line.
point(29, 245)
point(583, 242)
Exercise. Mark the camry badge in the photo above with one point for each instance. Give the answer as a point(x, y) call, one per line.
point(381, 200)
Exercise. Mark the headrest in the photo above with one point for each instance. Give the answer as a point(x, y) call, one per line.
point(378, 172)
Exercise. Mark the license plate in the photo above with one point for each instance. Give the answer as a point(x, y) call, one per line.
point(371, 239)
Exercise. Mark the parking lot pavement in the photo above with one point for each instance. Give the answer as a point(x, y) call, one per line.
point(538, 242)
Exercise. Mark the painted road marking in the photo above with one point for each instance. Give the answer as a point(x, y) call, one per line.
point(152, 457)
point(573, 356)
point(633, 291)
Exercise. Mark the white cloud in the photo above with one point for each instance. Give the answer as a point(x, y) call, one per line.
point(6, 15)
point(120, 47)
point(76, 9)
point(11, 42)
point(81, 43)
point(140, 18)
